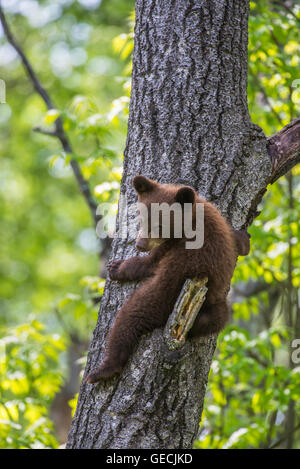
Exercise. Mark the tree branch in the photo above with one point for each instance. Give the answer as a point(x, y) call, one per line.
point(265, 96)
point(184, 313)
point(10, 38)
point(50, 133)
point(59, 130)
point(284, 437)
point(284, 149)
point(288, 9)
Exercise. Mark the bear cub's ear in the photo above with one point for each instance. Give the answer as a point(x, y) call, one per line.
point(142, 184)
point(185, 195)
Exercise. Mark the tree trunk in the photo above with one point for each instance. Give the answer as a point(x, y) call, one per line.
point(188, 123)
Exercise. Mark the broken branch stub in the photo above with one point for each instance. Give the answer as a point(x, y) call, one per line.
point(184, 313)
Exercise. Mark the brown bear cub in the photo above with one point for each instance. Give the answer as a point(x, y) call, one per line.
point(164, 271)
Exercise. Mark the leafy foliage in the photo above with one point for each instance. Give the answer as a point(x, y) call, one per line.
point(249, 392)
point(30, 376)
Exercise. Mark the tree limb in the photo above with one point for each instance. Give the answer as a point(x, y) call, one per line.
point(284, 149)
point(59, 130)
point(50, 133)
point(288, 9)
point(284, 437)
point(36, 83)
point(184, 313)
point(264, 94)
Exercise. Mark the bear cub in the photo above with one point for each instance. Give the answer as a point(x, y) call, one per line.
point(165, 269)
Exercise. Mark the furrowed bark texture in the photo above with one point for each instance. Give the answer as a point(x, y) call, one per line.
point(188, 123)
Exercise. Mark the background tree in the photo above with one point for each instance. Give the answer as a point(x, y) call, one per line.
point(189, 123)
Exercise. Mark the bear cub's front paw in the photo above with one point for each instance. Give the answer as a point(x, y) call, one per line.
point(113, 269)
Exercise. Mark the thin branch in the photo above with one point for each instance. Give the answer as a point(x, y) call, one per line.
point(277, 42)
point(284, 437)
point(59, 130)
point(69, 331)
point(50, 133)
point(10, 38)
point(266, 98)
point(270, 429)
point(259, 360)
point(268, 102)
point(288, 9)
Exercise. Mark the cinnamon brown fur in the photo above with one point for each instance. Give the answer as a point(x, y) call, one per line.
point(163, 273)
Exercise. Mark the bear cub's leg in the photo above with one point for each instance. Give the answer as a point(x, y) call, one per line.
point(146, 309)
point(211, 319)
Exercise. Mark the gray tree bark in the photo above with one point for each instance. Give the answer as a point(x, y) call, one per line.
point(189, 123)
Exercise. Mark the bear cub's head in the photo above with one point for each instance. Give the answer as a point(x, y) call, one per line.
point(156, 229)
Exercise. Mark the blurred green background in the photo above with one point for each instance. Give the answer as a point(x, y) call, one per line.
point(51, 264)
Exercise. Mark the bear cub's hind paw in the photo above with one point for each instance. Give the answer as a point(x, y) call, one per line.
point(104, 371)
